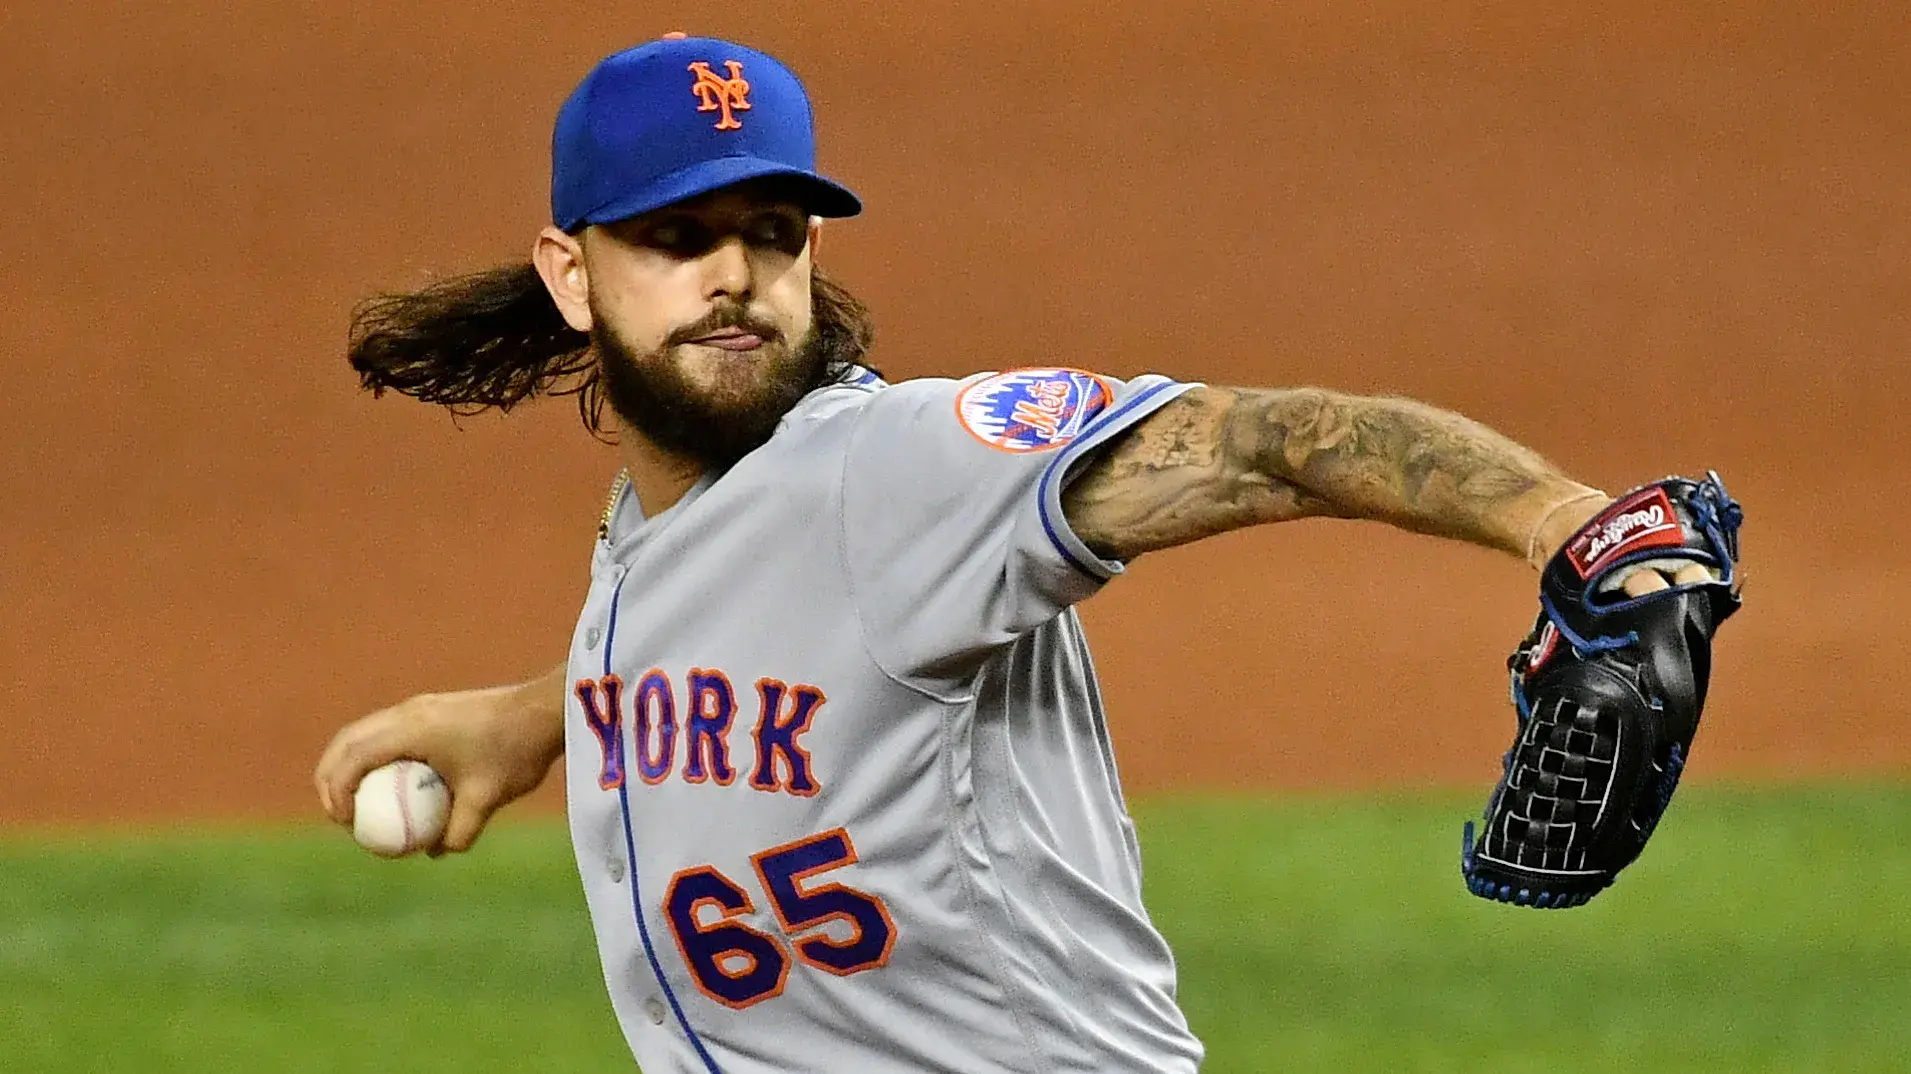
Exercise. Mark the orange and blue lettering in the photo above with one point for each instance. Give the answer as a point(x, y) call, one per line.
point(776, 737)
point(654, 712)
point(730, 962)
point(872, 932)
point(603, 702)
point(712, 705)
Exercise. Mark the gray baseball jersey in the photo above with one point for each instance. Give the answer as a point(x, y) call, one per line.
point(840, 786)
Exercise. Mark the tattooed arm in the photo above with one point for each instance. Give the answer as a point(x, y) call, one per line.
point(1218, 459)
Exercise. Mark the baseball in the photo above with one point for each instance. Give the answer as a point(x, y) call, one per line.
point(399, 808)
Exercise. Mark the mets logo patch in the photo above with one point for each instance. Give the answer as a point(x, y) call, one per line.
point(1031, 409)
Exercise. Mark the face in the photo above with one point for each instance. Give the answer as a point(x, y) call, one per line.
point(700, 314)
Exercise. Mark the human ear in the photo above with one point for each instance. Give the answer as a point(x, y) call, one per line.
point(560, 263)
point(816, 233)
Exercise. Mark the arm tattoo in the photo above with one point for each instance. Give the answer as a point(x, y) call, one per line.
point(1218, 459)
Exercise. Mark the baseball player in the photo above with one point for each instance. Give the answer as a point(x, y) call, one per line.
point(840, 785)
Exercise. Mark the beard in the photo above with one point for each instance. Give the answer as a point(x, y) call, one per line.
point(719, 426)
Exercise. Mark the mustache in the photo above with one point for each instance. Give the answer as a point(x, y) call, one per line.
point(721, 318)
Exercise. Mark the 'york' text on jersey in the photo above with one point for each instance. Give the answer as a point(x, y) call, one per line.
point(784, 712)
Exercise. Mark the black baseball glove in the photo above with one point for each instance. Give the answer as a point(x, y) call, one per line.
point(1608, 688)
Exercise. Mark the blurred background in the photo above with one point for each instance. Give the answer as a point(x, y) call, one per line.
point(1641, 238)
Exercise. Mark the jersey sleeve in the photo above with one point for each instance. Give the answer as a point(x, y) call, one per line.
point(953, 533)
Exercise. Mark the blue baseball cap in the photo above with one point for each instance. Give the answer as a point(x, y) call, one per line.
point(679, 117)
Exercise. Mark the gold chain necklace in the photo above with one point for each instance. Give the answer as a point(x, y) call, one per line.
point(617, 488)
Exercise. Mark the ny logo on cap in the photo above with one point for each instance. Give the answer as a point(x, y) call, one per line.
point(721, 94)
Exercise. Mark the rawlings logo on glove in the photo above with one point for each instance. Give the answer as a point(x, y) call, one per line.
point(1643, 519)
point(1608, 689)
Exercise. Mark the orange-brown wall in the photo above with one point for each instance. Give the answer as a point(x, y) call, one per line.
point(1640, 240)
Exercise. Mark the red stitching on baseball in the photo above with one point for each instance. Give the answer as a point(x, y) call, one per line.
point(404, 803)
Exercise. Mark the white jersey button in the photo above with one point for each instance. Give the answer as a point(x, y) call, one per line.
point(655, 1008)
point(616, 866)
point(591, 637)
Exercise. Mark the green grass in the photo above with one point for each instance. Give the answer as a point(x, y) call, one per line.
point(1764, 930)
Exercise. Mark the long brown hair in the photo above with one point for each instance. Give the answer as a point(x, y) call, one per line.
point(495, 338)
